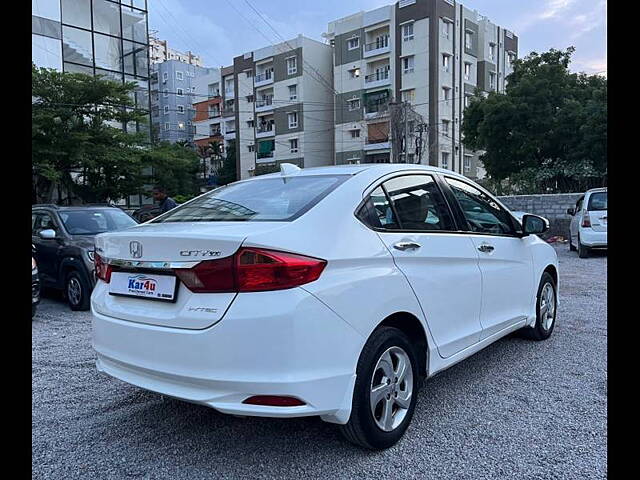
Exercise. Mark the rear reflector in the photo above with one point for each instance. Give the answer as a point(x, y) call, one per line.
point(274, 401)
point(252, 270)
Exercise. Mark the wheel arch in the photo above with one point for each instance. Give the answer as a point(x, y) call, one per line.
point(553, 271)
point(411, 326)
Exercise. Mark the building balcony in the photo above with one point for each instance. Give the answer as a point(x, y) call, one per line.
point(376, 110)
point(377, 144)
point(265, 155)
point(377, 79)
point(269, 131)
point(214, 113)
point(230, 135)
point(264, 104)
point(380, 46)
point(263, 79)
point(229, 93)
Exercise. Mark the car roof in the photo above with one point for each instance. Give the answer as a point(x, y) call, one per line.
point(73, 207)
point(354, 169)
point(600, 189)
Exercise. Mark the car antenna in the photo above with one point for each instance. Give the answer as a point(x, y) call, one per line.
point(288, 169)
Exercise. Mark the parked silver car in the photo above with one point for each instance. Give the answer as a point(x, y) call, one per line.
point(588, 227)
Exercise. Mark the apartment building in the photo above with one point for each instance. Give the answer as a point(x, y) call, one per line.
point(277, 106)
point(173, 92)
point(433, 54)
point(160, 51)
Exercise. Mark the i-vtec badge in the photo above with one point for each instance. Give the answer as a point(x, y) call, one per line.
point(200, 253)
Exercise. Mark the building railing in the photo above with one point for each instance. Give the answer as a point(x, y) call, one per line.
point(377, 76)
point(264, 102)
point(214, 113)
point(265, 154)
point(381, 42)
point(261, 77)
point(376, 107)
point(371, 141)
point(265, 128)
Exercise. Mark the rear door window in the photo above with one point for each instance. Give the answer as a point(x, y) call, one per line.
point(266, 199)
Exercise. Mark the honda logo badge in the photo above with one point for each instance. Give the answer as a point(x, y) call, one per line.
point(135, 248)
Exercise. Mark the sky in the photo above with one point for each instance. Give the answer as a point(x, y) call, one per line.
point(219, 30)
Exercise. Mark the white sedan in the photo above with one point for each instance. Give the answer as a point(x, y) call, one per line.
point(326, 291)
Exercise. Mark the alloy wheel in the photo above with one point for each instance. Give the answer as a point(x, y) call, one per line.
point(74, 291)
point(547, 306)
point(391, 388)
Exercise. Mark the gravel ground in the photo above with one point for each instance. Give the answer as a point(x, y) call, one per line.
point(517, 409)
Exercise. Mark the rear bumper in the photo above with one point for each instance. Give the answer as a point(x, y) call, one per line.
point(593, 239)
point(291, 345)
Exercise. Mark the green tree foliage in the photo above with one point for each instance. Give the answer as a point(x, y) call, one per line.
point(73, 143)
point(547, 132)
point(77, 143)
point(174, 166)
point(227, 173)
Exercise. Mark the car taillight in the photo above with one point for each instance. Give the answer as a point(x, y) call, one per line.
point(586, 220)
point(252, 270)
point(103, 269)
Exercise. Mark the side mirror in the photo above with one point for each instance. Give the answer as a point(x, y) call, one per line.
point(571, 211)
point(48, 234)
point(534, 225)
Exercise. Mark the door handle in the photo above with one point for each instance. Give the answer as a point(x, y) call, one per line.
point(485, 248)
point(406, 246)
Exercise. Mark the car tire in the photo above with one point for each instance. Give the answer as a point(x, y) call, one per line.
point(571, 247)
point(77, 291)
point(383, 354)
point(33, 311)
point(583, 251)
point(546, 310)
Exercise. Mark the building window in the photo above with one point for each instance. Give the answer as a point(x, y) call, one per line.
point(467, 163)
point(249, 98)
point(180, 125)
point(492, 51)
point(293, 92)
point(468, 40)
point(492, 80)
point(467, 99)
point(292, 65)
point(251, 148)
point(166, 126)
point(166, 109)
point(467, 71)
point(354, 104)
point(446, 93)
point(293, 119)
point(179, 76)
point(249, 73)
point(250, 124)
point(354, 73)
point(407, 64)
point(355, 133)
point(446, 28)
point(512, 57)
point(165, 93)
point(445, 128)
point(293, 145)
point(407, 31)
point(180, 108)
point(165, 76)
point(445, 61)
point(409, 96)
point(445, 159)
point(179, 92)
point(353, 43)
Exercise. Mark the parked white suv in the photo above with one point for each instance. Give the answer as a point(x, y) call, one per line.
point(588, 227)
point(325, 291)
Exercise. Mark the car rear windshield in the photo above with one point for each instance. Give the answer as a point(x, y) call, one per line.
point(92, 222)
point(597, 201)
point(260, 200)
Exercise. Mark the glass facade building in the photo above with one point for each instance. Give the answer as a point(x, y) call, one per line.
point(97, 37)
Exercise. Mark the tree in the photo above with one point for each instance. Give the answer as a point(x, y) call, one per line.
point(547, 132)
point(74, 144)
point(227, 173)
point(174, 166)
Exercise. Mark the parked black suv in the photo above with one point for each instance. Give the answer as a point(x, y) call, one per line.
point(64, 241)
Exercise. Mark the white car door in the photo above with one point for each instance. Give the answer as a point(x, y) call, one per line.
point(415, 223)
point(505, 259)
